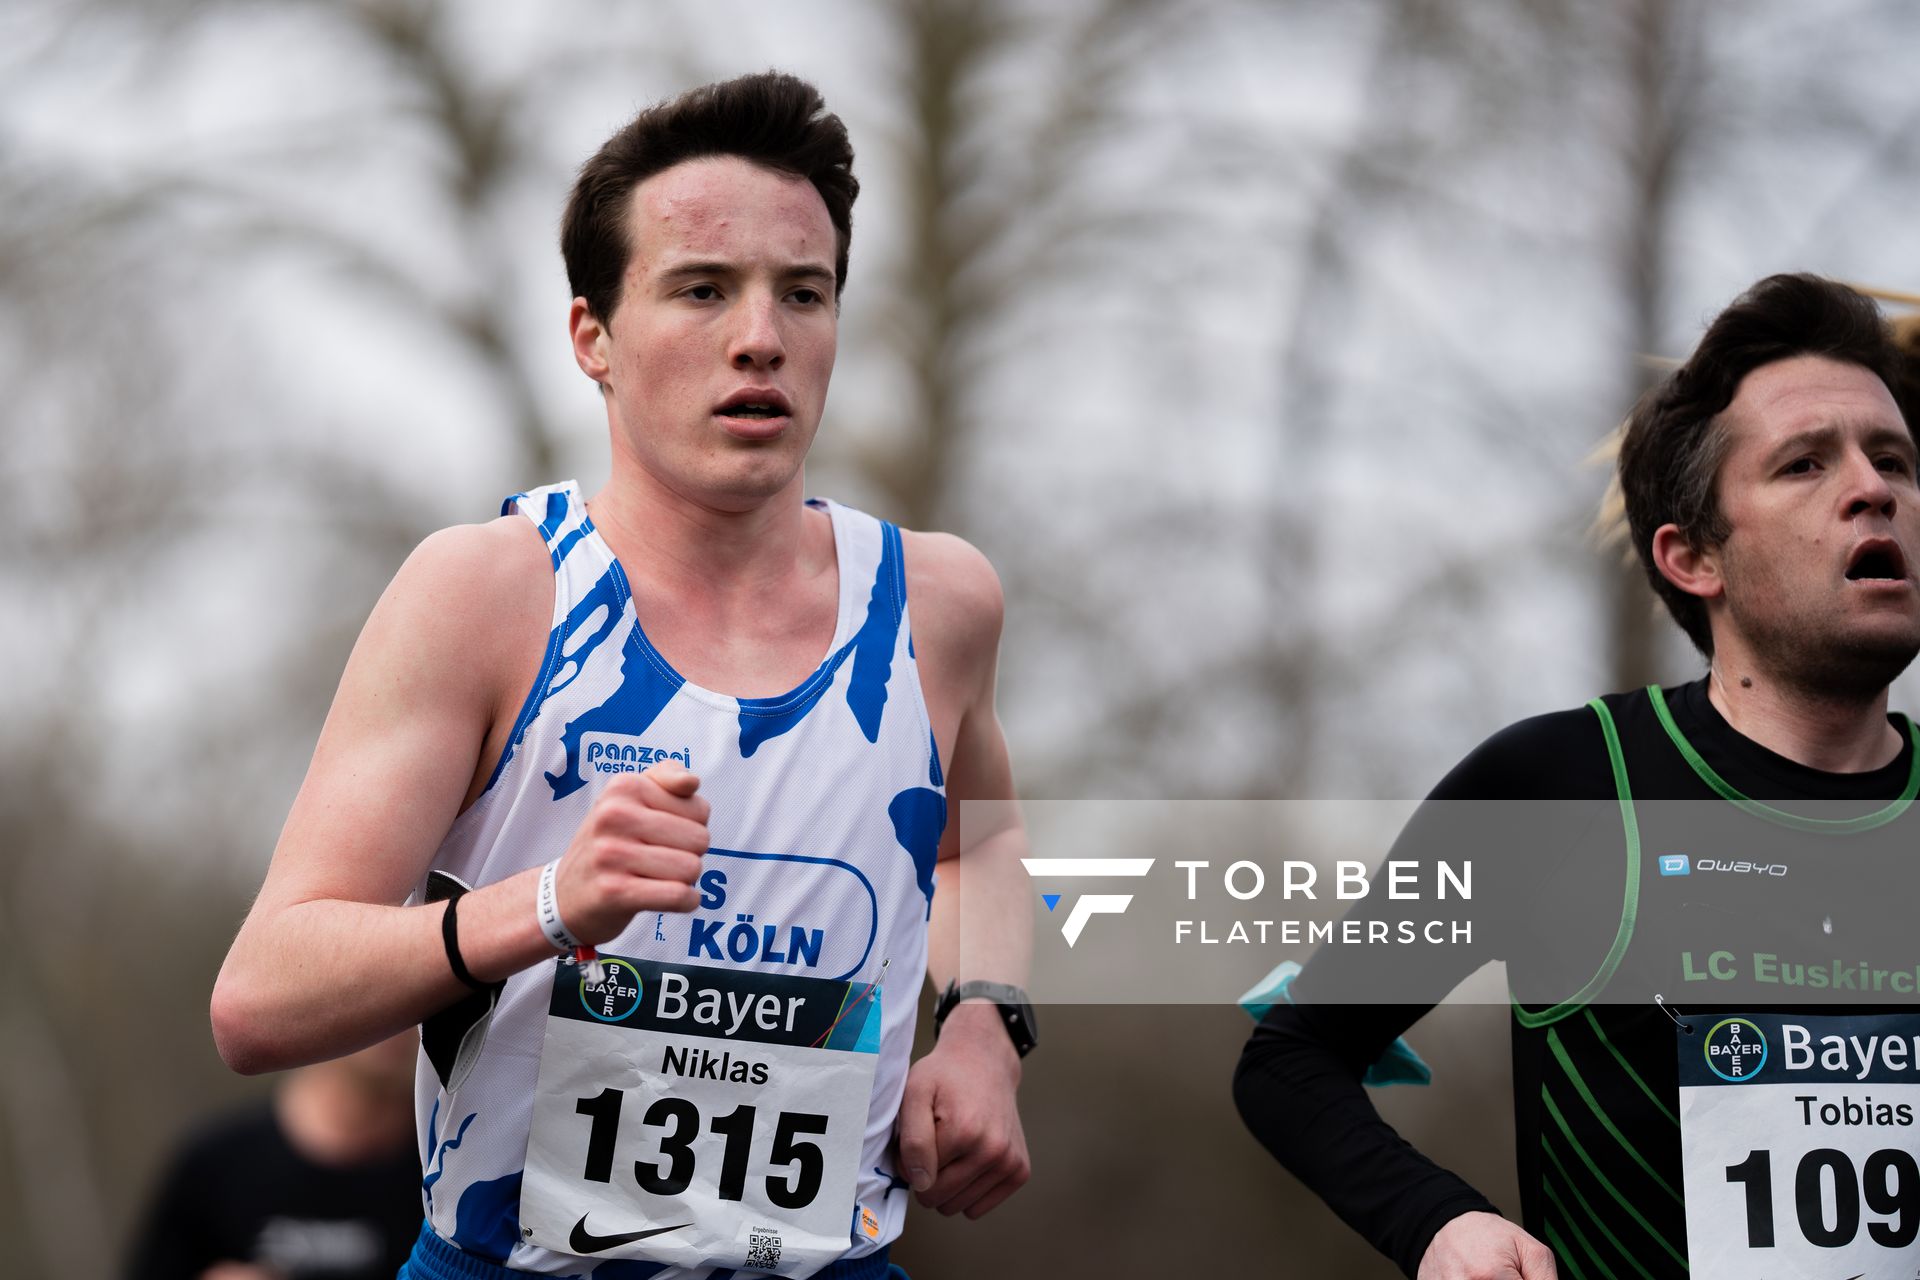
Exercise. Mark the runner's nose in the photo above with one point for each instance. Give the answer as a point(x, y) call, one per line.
point(756, 342)
point(1871, 492)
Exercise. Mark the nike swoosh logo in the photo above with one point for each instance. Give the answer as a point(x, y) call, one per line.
point(584, 1241)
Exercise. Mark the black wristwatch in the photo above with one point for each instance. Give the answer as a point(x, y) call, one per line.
point(1016, 1011)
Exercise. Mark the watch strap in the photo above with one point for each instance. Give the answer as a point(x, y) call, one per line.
point(1016, 1009)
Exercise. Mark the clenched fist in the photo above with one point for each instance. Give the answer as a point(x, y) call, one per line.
point(638, 849)
point(1485, 1246)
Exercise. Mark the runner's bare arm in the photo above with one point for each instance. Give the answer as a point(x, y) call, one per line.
point(959, 1122)
point(328, 961)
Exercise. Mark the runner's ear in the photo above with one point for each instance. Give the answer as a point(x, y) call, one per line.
point(590, 341)
point(1695, 570)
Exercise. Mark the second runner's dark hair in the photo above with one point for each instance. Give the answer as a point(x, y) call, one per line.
point(1675, 439)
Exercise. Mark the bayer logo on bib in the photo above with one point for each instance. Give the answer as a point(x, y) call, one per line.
point(1736, 1049)
point(616, 997)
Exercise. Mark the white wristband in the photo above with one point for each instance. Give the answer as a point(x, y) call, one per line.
point(547, 905)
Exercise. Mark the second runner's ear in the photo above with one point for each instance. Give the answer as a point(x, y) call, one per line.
point(1695, 570)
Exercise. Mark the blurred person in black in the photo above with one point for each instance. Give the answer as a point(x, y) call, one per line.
point(1769, 486)
point(319, 1183)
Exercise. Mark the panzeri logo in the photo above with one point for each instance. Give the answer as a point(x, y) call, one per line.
point(1090, 904)
point(614, 753)
point(1674, 864)
point(1736, 1050)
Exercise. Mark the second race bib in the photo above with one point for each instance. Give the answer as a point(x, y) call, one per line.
point(1798, 1137)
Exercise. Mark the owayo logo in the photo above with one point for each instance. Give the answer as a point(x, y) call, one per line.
point(614, 998)
point(1088, 905)
point(1736, 1050)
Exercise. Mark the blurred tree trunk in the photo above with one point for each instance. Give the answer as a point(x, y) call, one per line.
point(995, 206)
point(1659, 55)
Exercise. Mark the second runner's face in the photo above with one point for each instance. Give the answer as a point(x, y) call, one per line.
point(1818, 488)
point(719, 352)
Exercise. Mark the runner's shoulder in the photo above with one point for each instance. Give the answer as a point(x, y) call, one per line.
point(497, 559)
point(954, 593)
point(1561, 755)
point(481, 592)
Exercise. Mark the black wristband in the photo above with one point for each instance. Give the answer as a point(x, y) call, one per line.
point(450, 938)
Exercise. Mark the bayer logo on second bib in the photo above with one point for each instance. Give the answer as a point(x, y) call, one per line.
point(615, 999)
point(1736, 1050)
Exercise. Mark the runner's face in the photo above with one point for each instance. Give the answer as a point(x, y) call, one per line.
point(1818, 489)
point(722, 344)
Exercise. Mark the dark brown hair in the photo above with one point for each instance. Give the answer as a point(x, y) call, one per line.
point(1906, 339)
point(1675, 441)
point(769, 118)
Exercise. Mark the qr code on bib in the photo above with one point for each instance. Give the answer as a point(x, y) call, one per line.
point(763, 1250)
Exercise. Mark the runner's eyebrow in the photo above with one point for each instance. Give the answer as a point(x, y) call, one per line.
point(1898, 439)
point(809, 271)
point(689, 270)
point(1877, 437)
point(1801, 441)
point(813, 272)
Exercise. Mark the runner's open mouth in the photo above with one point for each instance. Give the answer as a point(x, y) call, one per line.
point(1877, 560)
point(755, 404)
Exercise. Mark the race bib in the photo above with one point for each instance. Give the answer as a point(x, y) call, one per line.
point(1799, 1144)
point(700, 1116)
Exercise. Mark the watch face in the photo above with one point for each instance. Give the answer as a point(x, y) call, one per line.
point(1020, 1025)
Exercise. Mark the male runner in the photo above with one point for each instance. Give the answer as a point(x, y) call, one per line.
point(608, 723)
point(1770, 491)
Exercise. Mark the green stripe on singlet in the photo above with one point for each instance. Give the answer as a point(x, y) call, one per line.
point(1566, 1131)
point(1632, 1075)
point(1587, 1250)
point(1630, 902)
point(1599, 1113)
point(1780, 817)
point(1563, 1256)
point(1600, 1224)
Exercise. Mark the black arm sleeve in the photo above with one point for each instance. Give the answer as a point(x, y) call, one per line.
point(1298, 1089)
point(1298, 1083)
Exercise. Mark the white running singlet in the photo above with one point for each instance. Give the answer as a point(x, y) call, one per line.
point(827, 809)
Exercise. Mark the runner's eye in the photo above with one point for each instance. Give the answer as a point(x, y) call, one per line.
point(1799, 467)
point(702, 293)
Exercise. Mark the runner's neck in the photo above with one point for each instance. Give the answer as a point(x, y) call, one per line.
point(1830, 735)
point(694, 548)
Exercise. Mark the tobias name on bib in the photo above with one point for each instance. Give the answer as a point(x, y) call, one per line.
point(1798, 1141)
point(700, 1116)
